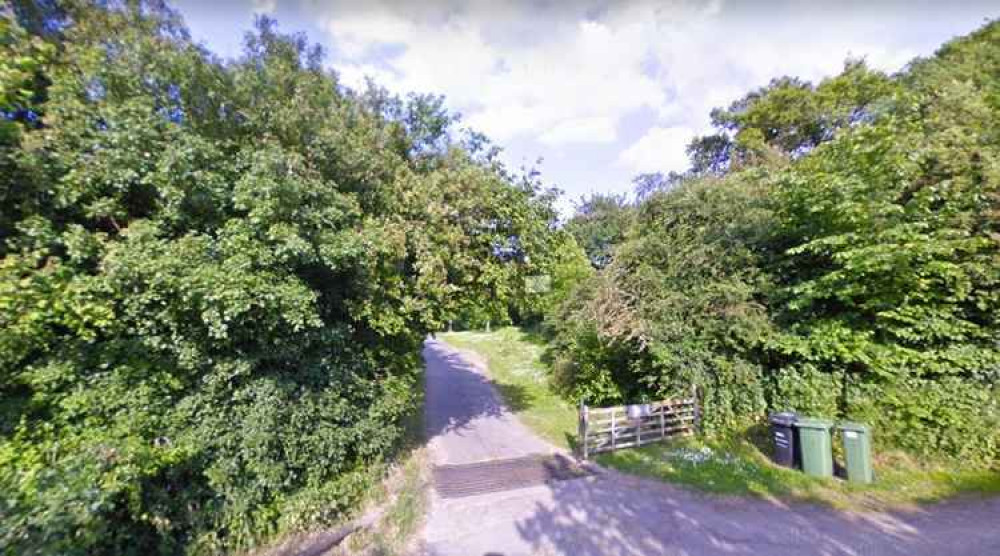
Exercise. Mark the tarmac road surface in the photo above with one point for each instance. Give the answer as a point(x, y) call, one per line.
point(611, 514)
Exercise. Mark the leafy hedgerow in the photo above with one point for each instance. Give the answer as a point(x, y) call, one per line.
point(835, 250)
point(215, 278)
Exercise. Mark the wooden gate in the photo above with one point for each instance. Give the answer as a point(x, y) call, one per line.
point(603, 429)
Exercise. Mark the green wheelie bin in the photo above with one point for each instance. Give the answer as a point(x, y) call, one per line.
point(857, 452)
point(817, 451)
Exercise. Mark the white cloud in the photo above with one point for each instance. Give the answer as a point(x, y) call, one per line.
point(508, 73)
point(660, 149)
point(600, 129)
point(264, 6)
point(565, 74)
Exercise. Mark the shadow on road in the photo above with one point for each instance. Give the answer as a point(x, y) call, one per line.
point(457, 393)
point(619, 516)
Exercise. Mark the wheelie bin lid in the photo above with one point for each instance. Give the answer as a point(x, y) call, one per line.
point(856, 427)
point(786, 418)
point(810, 423)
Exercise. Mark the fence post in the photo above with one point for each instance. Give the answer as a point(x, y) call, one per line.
point(614, 431)
point(584, 424)
point(638, 430)
point(663, 421)
point(697, 408)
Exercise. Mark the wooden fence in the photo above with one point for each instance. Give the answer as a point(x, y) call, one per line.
point(603, 429)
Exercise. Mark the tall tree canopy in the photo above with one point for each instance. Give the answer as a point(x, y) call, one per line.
point(788, 118)
point(835, 250)
point(599, 224)
point(216, 276)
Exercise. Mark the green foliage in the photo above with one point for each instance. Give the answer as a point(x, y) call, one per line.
point(890, 272)
point(846, 262)
point(788, 118)
point(807, 390)
point(675, 307)
point(21, 63)
point(215, 280)
point(600, 223)
point(565, 265)
point(947, 415)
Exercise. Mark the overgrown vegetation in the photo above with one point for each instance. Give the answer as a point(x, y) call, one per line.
point(835, 249)
point(215, 277)
point(405, 505)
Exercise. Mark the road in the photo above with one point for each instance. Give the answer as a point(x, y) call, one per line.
point(610, 514)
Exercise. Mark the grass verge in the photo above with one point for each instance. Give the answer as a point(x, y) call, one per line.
point(405, 506)
point(737, 467)
point(733, 467)
point(514, 357)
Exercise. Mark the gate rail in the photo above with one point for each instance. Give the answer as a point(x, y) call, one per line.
point(604, 429)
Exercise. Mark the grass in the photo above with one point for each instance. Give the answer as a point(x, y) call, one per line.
point(405, 507)
point(514, 357)
point(398, 504)
point(736, 466)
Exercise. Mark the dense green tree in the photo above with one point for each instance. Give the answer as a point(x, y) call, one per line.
point(835, 251)
point(676, 307)
point(599, 223)
point(553, 276)
point(788, 118)
point(22, 88)
point(890, 278)
point(216, 278)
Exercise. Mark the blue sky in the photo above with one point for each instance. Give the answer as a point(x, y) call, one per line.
point(601, 90)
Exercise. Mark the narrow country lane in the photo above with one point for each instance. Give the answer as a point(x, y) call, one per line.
point(466, 419)
point(475, 438)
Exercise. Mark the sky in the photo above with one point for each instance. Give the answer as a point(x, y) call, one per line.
point(599, 90)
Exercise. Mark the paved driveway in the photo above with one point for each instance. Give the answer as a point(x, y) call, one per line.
point(616, 515)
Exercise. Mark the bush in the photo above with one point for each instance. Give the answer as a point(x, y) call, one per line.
point(806, 390)
point(931, 417)
point(846, 271)
point(673, 308)
point(216, 278)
